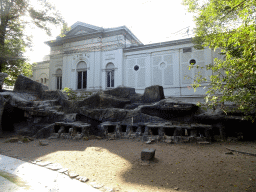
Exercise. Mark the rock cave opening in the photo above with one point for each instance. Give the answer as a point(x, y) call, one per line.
point(66, 129)
point(201, 132)
point(134, 128)
point(13, 119)
point(154, 131)
point(142, 129)
point(169, 131)
point(111, 128)
point(123, 128)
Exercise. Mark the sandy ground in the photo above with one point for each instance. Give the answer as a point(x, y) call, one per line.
point(116, 164)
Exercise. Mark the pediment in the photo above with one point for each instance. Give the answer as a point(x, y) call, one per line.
point(82, 28)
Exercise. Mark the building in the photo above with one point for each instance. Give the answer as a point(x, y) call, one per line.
point(95, 58)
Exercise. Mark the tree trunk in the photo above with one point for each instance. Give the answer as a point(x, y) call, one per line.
point(4, 21)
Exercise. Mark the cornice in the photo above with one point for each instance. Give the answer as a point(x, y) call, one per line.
point(158, 45)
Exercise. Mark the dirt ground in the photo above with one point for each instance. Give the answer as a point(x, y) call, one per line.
point(116, 164)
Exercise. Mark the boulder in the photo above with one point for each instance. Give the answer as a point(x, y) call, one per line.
point(121, 92)
point(45, 132)
point(153, 94)
point(3, 100)
point(2, 77)
point(24, 84)
point(101, 100)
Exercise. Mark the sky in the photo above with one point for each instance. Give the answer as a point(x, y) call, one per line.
point(151, 21)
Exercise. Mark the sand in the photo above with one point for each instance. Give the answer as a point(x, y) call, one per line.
point(177, 167)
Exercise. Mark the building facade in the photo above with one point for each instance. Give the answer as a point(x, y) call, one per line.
point(94, 58)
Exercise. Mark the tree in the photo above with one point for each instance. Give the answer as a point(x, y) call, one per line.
point(15, 15)
point(231, 27)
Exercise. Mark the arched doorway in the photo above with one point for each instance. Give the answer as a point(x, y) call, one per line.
point(59, 79)
point(81, 75)
point(110, 75)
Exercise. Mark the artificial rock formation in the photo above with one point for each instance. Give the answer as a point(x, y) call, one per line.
point(33, 110)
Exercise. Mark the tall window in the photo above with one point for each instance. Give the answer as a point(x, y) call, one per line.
point(59, 79)
point(81, 75)
point(110, 75)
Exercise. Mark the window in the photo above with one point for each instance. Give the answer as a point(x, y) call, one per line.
point(81, 75)
point(59, 79)
point(192, 62)
point(110, 73)
point(42, 80)
point(136, 67)
point(187, 49)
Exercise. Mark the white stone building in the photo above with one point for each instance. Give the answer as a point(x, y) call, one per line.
point(95, 58)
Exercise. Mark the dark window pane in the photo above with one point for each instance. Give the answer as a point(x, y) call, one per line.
point(112, 79)
point(84, 79)
point(187, 49)
point(60, 82)
point(108, 79)
point(79, 80)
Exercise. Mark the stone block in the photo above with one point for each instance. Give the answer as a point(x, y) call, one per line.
point(153, 94)
point(24, 84)
point(148, 154)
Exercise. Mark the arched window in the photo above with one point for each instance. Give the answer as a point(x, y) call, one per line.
point(110, 70)
point(81, 75)
point(42, 80)
point(59, 79)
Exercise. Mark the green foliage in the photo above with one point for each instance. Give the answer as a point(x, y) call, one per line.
point(15, 15)
point(73, 95)
point(70, 93)
point(231, 27)
point(64, 30)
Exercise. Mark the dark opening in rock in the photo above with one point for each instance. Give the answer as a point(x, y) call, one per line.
point(154, 131)
point(78, 129)
point(13, 119)
point(111, 129)
point(67, 129)
point(134, 128)
point(169, 131)
point(201, 132)
point(142, 129)
point(123, 128)
point(56, 128)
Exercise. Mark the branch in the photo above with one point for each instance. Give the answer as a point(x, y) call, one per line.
point(233, 8)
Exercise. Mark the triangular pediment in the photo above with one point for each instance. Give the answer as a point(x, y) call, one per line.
point(80, 28)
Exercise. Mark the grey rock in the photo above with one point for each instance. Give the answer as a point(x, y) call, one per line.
point(107, 189)
point(122, 92)
point(45, 132)
point(153, 94)
point(96, 185)
point(203, 142)
point(72, 175)
point(43, 142)
point(148, 154)
point(43, 163)
point(62, 170)
point(2, 77)
point(83, 179)
point(54, 166)
point(25, 84)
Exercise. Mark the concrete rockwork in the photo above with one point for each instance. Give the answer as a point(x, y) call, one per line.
point(119, 113)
